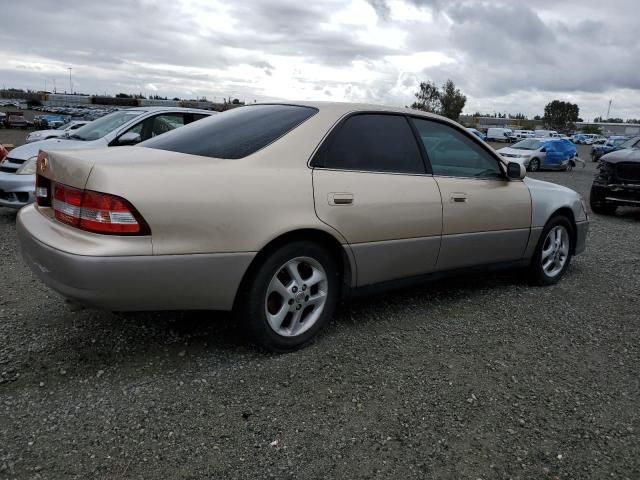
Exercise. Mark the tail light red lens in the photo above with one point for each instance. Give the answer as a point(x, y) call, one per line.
point(97, 212)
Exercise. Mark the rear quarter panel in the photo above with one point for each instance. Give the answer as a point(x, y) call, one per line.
point(197, 204)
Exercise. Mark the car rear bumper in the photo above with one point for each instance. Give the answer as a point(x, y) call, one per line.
point(137, 282)
point(16, 191)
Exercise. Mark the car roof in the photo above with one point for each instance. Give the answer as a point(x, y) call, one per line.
point(343, 108)
point(168, 109)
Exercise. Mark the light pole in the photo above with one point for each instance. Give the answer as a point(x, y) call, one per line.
point(70, 84)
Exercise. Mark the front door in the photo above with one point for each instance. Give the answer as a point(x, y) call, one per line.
point(370, 184)
point(486, 216)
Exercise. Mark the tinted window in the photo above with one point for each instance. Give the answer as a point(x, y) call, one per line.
point(235, 133)
point(453, 154)
point(374, 142)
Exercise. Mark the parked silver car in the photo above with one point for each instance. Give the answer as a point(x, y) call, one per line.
point(123, 127)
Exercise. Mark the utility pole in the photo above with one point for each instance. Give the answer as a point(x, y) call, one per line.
point(609, 109)
point(54, 86)
point(70, 84)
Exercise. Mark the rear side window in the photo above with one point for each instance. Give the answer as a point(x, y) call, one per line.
point(373, 142)
point(233, 134)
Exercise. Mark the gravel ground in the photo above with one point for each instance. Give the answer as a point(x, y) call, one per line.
point(481, 377)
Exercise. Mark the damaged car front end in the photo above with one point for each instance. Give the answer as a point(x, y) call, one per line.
point(617, 182)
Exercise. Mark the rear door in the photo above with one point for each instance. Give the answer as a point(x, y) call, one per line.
point(370, 184)
point(486, 216)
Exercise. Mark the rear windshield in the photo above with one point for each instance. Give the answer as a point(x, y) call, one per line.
point(233, 134)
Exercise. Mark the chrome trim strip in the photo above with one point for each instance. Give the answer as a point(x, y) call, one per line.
point(614, 199)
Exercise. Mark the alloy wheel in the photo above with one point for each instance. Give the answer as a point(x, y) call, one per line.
point(555, 251)
point(296, 296)
point(534, 165)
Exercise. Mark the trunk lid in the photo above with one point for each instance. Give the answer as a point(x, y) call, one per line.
point(71, 168)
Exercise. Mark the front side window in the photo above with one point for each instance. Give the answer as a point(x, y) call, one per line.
point(453, 154)
point(374, 143)
point(165, 123)
point(233, 134)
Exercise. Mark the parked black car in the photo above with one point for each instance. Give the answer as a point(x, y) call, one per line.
point(618, 181)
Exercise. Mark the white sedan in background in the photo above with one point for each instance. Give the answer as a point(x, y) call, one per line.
point(61, 131)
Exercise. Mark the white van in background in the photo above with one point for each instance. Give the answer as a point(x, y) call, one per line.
point(499, 135)
point(546, 133)
point(522, 134)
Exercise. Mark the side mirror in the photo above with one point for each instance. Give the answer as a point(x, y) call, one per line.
point(129, 138)
point(516, 170)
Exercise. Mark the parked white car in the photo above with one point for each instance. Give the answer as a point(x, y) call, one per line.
point(123, 127)
point(59, 132)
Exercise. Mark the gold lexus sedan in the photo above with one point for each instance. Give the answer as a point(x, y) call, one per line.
point(278, 211)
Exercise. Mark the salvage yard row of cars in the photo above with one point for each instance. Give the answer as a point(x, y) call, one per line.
point(277, 212)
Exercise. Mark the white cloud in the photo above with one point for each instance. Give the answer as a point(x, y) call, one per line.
point(505, 55)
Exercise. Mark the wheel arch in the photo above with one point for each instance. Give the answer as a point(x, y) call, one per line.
point(346, 261)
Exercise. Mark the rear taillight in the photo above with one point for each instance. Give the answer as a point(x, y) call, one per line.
point(43, 184)
point(97, 212)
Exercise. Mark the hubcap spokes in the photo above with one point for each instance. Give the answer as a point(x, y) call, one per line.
point(555, 250)
point(296, 296)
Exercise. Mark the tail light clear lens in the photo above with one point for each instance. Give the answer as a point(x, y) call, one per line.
point(43, 184)
point(97, 212)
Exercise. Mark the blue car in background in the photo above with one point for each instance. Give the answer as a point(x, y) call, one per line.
point(477, 133)
point(49, 121)
point(612, 144)
point(542, 153)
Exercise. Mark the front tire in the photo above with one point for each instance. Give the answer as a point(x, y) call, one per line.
point(534, 165)
point(553, 253)
point(598, 204)
point(291, 296)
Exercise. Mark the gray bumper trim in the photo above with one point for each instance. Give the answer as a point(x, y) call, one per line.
point(154, 282)
point(582, 229)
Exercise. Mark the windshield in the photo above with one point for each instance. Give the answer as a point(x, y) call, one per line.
point(105, 125)
point(528, 144)
point(630, 143)
point(233, 134)
point(617, 141)
point(64, 126)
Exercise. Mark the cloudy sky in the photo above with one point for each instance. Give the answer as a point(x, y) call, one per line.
point(506, 55)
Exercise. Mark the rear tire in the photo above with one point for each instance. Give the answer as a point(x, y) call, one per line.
point(290, 297)
point(553, 253)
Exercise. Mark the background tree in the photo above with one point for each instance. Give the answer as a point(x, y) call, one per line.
point(561, 115)
point(592, 129)
point(452, 101)
point(428, 98)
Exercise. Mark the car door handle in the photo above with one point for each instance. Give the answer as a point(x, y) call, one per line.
point(458, 197)
point(340, 198)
